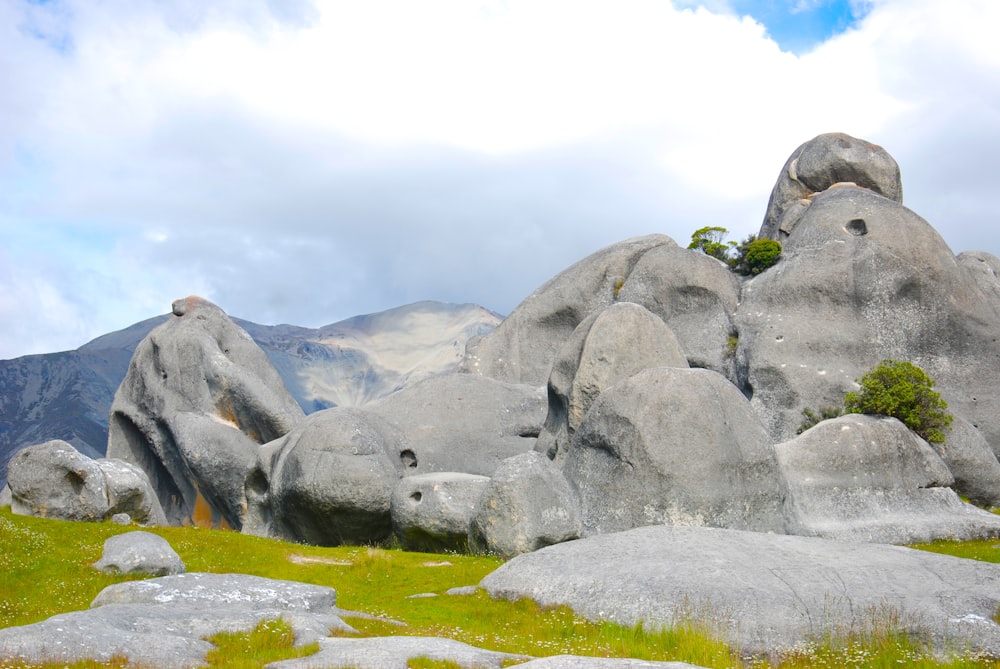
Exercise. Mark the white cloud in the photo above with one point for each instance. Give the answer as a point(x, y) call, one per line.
point(303, 163)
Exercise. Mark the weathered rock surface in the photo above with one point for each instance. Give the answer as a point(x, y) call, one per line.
point(163, 622)
point(765, 592)
point(675, 446)
point(395, 652)
point(972, 462)
point(432, 512)
point(139, 553)
point(327, 482)
point(607, 347)
point(197, 401)
point(863, 279)
point(526, 505)
point(463, 423)
point(522, 347)
point(696, 295)
point(867, 478)
point(54, 480)
point(693, 293)
point(817, 165)
point(5, 496)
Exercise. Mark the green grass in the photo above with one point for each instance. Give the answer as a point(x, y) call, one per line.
point(45, 568)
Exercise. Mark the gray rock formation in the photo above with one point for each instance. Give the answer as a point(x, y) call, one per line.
point(522, 347)
point(866, 478)
point(197, 401)
point(394, 652)
point(163, 622)
point(863, 279)
point(328, 481)
point(607, 347)
point(68, 395)
point(463, 423)
point(527, 504)
point(764, 592)
point(972, 462)
point(54, 480)
point(139, 553)
point(675, 446)
point(819, 164)
point(5, 496)
point(432, 512)
point(696, 295)
point(693, 293)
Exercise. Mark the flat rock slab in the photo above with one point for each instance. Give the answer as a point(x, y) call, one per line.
point(762, 592)
point(394, 652)
point(162, 622)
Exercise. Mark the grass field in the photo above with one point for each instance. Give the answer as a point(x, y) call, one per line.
point(45, 568)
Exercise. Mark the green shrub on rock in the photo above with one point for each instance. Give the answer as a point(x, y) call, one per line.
point(902, 390)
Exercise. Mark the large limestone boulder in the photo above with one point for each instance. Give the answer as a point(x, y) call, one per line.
point(693, 293)
point(868, 478)
point(54, 480)
point(139, 553)
point(433, 512)
point(863, 279)
point(765, 593)
point(674, 446)
point(197, 401)
point(526, 505)
point(819, 164)
point(522, 347)
point(972, 463)
point(463, 423)
point(327, 482)
point(605, 348)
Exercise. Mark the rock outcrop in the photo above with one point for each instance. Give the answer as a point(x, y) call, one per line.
point(139, 553)
point(54, 480)
point(820, 163)
point(867, 478)
point(607, 347)
point(674, 446)
point(463, 423)
point(433, 512)
point(863, 279)
point(163, 622)
point(764, 593)
point(526, 505)
point(198, 400)
point(327, 482)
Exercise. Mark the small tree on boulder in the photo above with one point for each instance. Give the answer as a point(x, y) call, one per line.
point(902, 390)
point(709, 240)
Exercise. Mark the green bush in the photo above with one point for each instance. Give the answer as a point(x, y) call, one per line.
point(902, 390)
point(761, 254)
point(708, 240)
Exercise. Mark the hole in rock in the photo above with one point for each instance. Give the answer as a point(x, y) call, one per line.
point(408, 458)
point(857, 227)
point(416, 496)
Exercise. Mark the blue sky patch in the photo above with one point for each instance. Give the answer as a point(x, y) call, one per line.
point(798, 26)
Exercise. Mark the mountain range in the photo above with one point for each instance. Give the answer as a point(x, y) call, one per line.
point(67, 395)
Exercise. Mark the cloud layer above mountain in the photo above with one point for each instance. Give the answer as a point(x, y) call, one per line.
point(303, 161)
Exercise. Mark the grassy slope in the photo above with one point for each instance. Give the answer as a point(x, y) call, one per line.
point(45, 568)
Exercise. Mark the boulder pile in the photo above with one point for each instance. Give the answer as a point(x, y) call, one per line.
point(646, 385)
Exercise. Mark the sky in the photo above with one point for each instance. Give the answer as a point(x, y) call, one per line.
point(304, 161)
